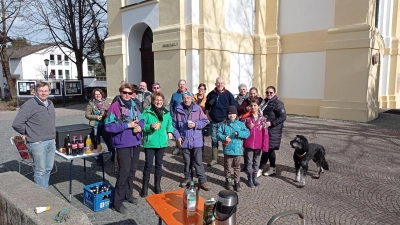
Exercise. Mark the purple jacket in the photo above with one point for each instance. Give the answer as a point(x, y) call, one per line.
point(258, 138)
point(192, 137)
point(117, 121)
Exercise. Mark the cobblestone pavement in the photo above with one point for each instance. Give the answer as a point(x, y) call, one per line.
point(362, 186)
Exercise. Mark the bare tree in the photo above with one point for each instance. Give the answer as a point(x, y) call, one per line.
point(71, 24)
point(97, 11)
point(10, 11)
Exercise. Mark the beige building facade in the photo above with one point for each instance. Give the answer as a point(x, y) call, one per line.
point(334, 59)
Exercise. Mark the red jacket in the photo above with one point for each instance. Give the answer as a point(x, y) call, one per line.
point(258, 138)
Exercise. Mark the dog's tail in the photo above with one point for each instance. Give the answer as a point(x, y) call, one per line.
point(324, 164)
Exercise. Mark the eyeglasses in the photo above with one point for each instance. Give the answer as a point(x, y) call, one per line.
point(127, 93)
point(269, 93)
point(156, 88)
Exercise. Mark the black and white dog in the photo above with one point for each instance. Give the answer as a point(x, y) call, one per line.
point(303, 153)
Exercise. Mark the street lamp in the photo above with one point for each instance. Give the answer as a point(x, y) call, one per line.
point(46, 62)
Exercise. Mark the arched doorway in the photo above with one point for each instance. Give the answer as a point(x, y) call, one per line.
point(147, 58)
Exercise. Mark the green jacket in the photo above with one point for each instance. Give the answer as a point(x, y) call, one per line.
point(156, 138)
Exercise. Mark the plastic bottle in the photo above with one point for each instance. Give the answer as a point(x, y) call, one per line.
point(74, 146)
point(89, 145)
point(191, 200)
point(185, 197)
point(80, 145)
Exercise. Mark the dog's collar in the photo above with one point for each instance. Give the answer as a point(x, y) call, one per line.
point(301, 156)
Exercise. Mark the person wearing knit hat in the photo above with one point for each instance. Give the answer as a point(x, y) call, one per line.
point(232, 110)
point(232, 132)
point(176, 99)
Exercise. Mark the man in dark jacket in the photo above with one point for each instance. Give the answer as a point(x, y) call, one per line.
point(36, 122)
point(274, 111)
point(218, 101)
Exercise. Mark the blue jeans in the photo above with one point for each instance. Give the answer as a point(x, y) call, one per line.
point(214, 129)
point(43, 159)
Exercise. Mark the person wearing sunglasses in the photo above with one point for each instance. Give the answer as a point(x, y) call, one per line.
point(125, 122)
point(147, 102)
point(274, 111)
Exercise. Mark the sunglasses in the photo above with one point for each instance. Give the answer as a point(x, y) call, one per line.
point(156, 88)
point(269, 93)
point(127, 93)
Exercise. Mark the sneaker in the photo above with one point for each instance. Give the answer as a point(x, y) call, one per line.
point(228, 184)
point(122, 210)
point(270, 172)
point(212, 163)
point(205, 186)
point(237, 186)
point(176, 151)
point(184, 183)
point(133, 200)
point(259, 172)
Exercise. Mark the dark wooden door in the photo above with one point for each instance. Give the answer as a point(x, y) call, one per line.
point(147, 58)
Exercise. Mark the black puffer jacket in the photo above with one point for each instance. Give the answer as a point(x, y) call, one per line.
point(274, 111)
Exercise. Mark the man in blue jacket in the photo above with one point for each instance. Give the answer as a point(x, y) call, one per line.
point(218, 100)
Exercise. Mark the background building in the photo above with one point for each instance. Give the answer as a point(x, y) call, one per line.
point(332, 59)
point(27, 63)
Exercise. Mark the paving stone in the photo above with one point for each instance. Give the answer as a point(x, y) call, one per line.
point(361, 186)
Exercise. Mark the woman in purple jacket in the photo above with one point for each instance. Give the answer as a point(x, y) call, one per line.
point(189, 120)
point(125, 123)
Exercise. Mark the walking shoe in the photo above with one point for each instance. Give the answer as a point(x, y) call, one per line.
point(270, 172)
point(212, 163)
point(259, 172)
point(176, 151)
point(237, 186)
point(184, 183)
point(250, 180)
point(228, 184)
point(133, 200)
point(205, 186)
point(122, 210)
point(255, 182)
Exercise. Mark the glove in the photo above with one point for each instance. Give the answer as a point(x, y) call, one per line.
point(62, 216)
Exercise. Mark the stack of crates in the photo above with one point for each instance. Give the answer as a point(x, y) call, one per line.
point(98, 201)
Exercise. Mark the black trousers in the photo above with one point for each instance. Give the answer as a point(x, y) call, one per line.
point(150, 154)
point(128, 160)
point(271, 156)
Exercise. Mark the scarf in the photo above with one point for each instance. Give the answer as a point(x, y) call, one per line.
point(99, 106)
point(241, 98)
point(158, 112)
point(187, 108)
point(127, 103)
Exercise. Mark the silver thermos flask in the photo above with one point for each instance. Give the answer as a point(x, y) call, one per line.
point(226, 207)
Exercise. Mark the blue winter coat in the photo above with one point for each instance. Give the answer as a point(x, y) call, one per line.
point(192, 137)
point(228, 129)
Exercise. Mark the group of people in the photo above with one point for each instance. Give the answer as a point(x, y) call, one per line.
point(246, 125)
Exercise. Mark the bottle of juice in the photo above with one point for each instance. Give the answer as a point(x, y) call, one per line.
point(89, 145)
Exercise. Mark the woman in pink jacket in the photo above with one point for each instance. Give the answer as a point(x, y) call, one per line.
point(256, 142)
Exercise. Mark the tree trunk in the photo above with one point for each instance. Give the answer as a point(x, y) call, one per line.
point(79, 69)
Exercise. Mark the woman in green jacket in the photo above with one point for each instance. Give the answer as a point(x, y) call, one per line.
point(157, 130)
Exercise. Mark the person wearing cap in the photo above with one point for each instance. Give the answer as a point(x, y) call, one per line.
point(176, 99)
point(231, 133)
point(189, 120)
point(217, 102)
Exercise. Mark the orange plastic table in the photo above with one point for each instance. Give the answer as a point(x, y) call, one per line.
point(169, 208)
